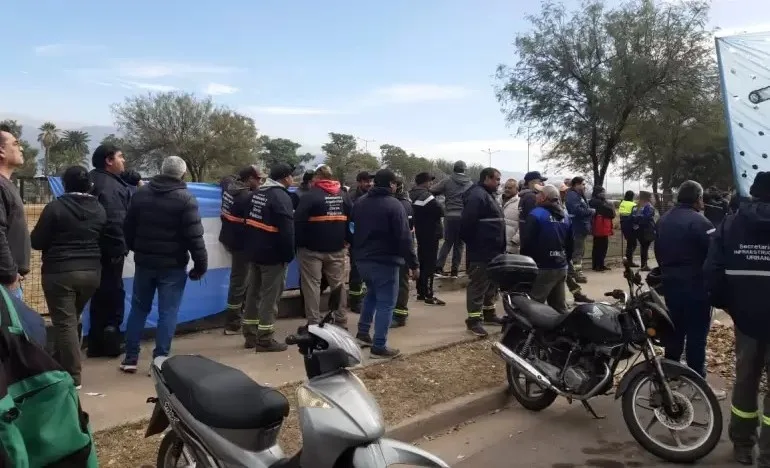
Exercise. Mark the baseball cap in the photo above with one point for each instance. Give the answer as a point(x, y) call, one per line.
point(281, 171)
point(384, 177)
point(459, 167)
point(363, 175)
point(423, 177)
point(534, 175)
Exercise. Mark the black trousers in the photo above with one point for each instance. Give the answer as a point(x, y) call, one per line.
point(427, 249)
point(632, 241)
point(599, 252)
point(107, 310)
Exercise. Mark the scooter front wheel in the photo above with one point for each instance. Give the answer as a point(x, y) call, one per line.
point(171, 453)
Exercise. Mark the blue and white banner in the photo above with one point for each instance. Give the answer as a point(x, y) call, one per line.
point(201, 298)
point(744, 68)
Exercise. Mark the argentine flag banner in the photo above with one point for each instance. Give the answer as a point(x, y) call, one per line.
point(201, 298)
point(744, 68)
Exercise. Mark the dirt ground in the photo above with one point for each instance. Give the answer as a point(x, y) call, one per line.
point(403, 387)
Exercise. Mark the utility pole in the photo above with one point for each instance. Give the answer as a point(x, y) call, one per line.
point(490, 152)
point(527, 149)
point(366, 143)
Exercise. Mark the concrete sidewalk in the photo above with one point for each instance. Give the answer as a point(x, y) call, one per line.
point(113, 398)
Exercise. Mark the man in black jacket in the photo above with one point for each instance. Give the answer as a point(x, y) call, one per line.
point(321, 228)
point(381, 244)
point(163, 228)
point(428, 231)
point(107, 304)
point(356, 289)
point(270, 249)
point(483, 230)
point(14, 234)
point(236, 198)
point(737, 273)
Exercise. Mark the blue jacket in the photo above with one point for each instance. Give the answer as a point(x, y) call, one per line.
point(482, 225)
point(737, 270)
point(547, 237)
point(380, 228)
point(642, 223)
point(681, 246)
point(579, 213)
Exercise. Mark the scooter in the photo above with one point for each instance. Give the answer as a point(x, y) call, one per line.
point(220, 418)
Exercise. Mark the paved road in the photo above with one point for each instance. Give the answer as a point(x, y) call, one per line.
point(563, 436)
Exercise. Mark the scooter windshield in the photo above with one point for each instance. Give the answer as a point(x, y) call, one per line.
point(338, 338)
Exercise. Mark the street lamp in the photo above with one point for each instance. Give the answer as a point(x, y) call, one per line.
point(490, 152)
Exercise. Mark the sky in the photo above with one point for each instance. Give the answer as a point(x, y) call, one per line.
point(415, 73)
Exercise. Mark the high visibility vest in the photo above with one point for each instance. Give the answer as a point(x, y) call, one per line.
point(626, 207)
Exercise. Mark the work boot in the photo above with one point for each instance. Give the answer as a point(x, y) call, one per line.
point(420, 297)
point(113, 342)
point(398, 321)
point(269, 345)
point(232, 322)
point(354, 304)
point(454, 273)
point(475, 327)
point(250, 341)
point(645, 267)
point(434, 301)
point(384, 353)
point(743, 455)
point(364, 340)
point(491, 318)
point(579, 278)
point(580, 297)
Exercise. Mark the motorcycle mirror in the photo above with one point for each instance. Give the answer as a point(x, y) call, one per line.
point(328, 318)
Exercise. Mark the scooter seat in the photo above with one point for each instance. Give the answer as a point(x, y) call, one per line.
point(221, 396)
point(541, 316)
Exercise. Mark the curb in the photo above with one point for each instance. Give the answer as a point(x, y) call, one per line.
point(448, 414)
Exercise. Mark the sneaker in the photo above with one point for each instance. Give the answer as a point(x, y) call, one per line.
point(743, 455)
point(129, 367)
point(581, 279)
point(420, 297)
point(645, 268)
point(580, 297)
point(384, 353)
point(232, 329)
point(606, 268)
point(434, 301)
point(475, 328)
point(270, 345)
point(78, 387)
point(364, 340)
point(398, 322)
point(454, 274)
point(440, 274)
point(634, 265)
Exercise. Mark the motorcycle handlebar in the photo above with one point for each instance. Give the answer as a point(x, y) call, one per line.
point(299, 340)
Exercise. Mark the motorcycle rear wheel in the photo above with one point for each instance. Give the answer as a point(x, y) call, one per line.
point(529, 395)
point(170, 452)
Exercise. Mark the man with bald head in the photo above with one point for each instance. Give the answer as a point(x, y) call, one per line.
point(546, 236)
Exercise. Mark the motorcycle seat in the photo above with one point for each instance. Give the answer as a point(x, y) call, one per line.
point(220, 396)
point(541, 316)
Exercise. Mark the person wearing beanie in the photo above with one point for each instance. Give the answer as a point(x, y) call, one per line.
point(70, 232)
point(453, 189)
point(236, 199)
point(681, 248)
point(382, 243)
point(737, 274)
point(163, 228)
point(269, 248)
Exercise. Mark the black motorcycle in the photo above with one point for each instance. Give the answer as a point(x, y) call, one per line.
point(577, 354)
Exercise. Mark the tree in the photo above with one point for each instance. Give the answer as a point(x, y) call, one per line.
point(14, 126)
point(275, 150)
point(581, 76)
point(204, 135)
point(48, 137)
point(76, 140)
point(61, 157)
point(407, 165)
point(343, 157)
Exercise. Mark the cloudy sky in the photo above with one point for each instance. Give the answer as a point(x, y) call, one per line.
point(418, 74)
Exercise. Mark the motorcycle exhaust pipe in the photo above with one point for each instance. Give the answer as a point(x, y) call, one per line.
point(523, 366)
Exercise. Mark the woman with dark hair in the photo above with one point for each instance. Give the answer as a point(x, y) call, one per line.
point(70, 234)
point(601, 228)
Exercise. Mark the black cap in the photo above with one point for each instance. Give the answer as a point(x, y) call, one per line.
point(760, 189)
point(459, 167)
point(384, 177)
point(281, 171)
point(423, 177)
point(308, 176)
point(534, 175)
point(248, 172)
point(363, 175)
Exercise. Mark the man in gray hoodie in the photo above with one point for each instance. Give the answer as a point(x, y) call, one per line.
point(452, 188)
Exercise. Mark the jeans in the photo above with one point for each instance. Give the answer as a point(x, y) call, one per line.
point(691, 314)
point(170, 285)
point(451, 242)
point(381, 281)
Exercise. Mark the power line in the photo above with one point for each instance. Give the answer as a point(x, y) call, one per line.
point(490, 152)
point(366, 143)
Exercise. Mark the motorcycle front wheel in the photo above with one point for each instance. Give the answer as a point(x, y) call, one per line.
point(171, 453)
point(692, 395)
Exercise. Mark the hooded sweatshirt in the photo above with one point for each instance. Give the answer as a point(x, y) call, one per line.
point(163, 224)
point(737, 269)
point(270, 223)
point(547, 237)
point(427, 215)
point(70, 234)
point(322, 216)
point(235, 205)
point(453, 188)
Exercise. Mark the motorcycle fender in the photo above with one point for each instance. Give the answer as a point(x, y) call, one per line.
point(158, 421)
point(386, 452)
point(670, 368)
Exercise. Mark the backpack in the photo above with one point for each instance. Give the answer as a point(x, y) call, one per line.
point(41, 422)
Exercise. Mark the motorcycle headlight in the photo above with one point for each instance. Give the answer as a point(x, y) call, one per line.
point(309, 399)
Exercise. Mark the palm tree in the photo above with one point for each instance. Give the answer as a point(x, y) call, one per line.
point(48, 137)
point(76, 141)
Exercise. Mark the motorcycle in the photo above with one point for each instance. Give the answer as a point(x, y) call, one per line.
point(576, 355)
point(220, 418)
